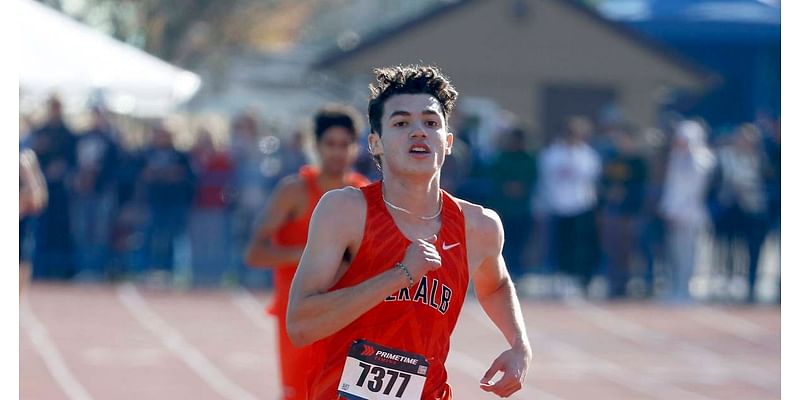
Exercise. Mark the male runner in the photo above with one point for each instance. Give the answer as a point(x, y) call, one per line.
point(280, 239)
point(381, 326)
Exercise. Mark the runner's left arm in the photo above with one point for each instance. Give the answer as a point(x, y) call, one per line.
point(496, 293)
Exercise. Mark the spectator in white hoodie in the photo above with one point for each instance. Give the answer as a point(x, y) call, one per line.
point(570, 170)
point(683, 203)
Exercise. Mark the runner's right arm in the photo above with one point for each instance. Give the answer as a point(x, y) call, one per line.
point(338, 222)
point(261, 251)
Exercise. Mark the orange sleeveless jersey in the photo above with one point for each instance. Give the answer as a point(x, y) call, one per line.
point(293, 365)
point(418, 320)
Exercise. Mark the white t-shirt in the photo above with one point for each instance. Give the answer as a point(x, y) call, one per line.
point(569, 176)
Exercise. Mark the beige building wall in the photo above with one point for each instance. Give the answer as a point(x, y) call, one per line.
point(488, 52)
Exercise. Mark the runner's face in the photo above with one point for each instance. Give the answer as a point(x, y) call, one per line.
point(337, 150)
point(414, 139)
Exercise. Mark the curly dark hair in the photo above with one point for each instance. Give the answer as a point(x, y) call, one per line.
point(341, 115)
point(412, 79)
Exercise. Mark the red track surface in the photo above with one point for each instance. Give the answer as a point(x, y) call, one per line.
point(103, 342)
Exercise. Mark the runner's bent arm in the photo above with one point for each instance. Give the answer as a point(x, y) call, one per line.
point(496, 294)
point(261, 252)
point(338, 222)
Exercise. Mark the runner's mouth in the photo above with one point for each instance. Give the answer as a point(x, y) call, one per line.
point(419, 149)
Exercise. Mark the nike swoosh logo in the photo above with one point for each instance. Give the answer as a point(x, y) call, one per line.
point(450, 246)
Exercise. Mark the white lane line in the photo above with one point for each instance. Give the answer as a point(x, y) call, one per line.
point(252, 308)
point(618, 326)
point(174, 342)
point(47, 349)
point(633, 380)
point(713, 362)
point(722, 321)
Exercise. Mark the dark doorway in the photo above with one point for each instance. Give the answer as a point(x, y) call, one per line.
point(561, 101)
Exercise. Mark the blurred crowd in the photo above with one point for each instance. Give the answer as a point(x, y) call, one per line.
point(630, 208)
point(604, 201)
point(153, 213)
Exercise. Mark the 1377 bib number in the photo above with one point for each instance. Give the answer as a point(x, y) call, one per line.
point(372, 371)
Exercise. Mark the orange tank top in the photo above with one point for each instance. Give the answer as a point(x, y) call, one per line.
point(295, 233)
point(419, 320)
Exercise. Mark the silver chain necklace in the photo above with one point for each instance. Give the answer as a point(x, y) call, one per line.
point(434, 216)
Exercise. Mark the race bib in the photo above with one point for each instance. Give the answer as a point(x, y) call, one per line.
point(375, 372)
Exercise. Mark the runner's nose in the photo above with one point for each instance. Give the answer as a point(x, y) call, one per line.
point(418, 130)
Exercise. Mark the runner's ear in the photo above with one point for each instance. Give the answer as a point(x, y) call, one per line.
point(449, 145)
point(374, 144)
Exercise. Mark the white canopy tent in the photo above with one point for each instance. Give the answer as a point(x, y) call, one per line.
point(58, 54)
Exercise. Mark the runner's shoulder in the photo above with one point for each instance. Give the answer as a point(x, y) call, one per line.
point(481, 222)
point(342, 204)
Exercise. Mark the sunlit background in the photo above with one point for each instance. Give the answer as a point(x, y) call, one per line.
point(661, 232)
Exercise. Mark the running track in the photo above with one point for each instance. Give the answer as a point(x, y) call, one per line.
point(124, 342)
